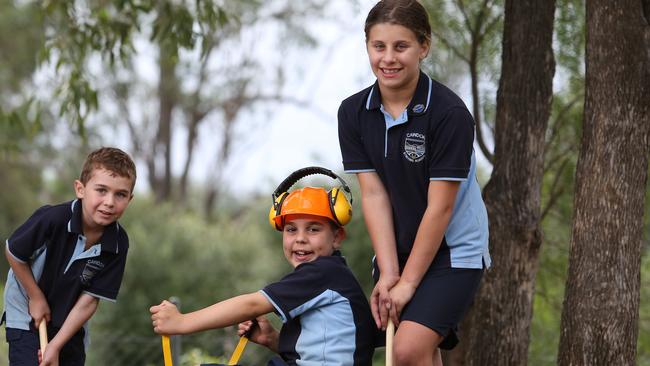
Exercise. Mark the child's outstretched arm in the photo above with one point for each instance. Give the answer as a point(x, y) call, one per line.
point(262, 333)
point(38, 306)
point(169, 321)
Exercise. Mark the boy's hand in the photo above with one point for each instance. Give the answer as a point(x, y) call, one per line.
point(51, 357)
point(261, 333)
point(380, 300)
point(39, 309)
point(166, 318)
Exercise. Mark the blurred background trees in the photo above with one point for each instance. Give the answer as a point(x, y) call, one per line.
point(161, 78)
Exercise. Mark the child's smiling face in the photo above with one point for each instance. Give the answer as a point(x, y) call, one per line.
point(307, 237)
point(395, 54)
point(104, 198)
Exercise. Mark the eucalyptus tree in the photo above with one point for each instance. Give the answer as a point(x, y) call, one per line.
point(600, 318)
point(503, 308)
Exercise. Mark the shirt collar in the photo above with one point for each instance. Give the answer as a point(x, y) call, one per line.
point(109, 239)
point(419, 103)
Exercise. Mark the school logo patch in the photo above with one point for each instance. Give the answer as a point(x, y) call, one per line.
point(91, 268)
point(414, 147)
point(418, 108)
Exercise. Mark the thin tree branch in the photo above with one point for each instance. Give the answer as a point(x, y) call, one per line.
point(556, 190)
point(448, 44)
point(461, 6)
point(560, 121)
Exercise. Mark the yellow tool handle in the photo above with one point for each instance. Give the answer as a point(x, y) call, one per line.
point(42, 335)
point(390, 331)
point(238, 351)
point(167, 350)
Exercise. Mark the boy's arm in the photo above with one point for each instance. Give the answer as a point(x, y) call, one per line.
point(167, 320)
point(82, 311)
point(38, 306)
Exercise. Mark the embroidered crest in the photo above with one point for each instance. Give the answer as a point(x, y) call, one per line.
point(414, 147)
point(418, 108)
point(91, 268)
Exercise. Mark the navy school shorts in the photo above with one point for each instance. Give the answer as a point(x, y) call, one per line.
point(440, 301)
point(24, 346)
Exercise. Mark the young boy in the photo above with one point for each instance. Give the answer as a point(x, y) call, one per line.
point(326, 316)
point(65, 258)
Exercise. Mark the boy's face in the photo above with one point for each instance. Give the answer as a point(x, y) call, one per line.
point(104, 198)
point(307, 237)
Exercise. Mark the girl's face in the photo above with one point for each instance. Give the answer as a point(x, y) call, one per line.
point(395, 56)
point(307, 237)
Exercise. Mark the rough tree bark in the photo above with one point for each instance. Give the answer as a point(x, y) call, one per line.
point(502, 311)
point(601, 307)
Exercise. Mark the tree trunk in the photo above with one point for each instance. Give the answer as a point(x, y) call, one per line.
point(501, 315)
point(162, 147)
point(601, 307)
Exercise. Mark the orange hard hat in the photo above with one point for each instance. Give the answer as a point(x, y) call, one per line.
point(311, 201)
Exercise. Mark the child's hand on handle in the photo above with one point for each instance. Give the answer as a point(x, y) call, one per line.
point(261, 332)
point(166, 319)
point(380, 300)
point(39, 309)
point(50, 358)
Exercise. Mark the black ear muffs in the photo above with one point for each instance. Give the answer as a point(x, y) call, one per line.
point(340, 206)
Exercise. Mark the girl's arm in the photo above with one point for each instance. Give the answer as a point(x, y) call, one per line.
point(378, 215)
point(441, 197)
point(169, 321)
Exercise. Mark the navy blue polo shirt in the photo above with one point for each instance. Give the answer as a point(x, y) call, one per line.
point(431, 140)
point(326, 316)
point(52, 242)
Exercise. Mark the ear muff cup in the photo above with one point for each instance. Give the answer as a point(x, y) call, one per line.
point(276, 209)
point(340, 206)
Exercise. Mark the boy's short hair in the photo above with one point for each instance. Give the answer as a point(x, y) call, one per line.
point(109, 158)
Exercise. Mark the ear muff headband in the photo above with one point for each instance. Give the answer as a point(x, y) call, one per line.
point(340, 205)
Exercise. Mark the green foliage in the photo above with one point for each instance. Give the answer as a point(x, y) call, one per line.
point(468, 32)
point(357, 248)
point(76, 31)
point(19, 126)
point(569, 45)
point(21, 35)
point(549, 290)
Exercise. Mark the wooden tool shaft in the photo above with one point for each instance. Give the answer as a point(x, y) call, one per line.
point(390, 332)
point(42, 335)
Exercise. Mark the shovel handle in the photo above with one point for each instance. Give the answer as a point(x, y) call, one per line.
point(390, 332)
point(239, 350)
point(167, 350)
point(42, 335)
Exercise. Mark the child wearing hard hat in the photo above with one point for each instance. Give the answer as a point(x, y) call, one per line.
point(326, 316)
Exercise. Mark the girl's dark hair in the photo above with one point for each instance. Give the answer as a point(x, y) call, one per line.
point(407, 13)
